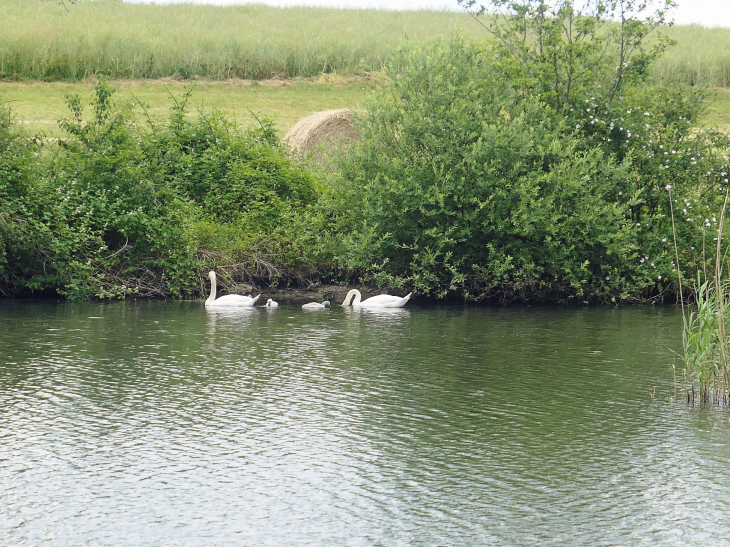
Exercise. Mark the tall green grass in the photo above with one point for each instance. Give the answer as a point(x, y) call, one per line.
point(41, 41)
point(701, 57)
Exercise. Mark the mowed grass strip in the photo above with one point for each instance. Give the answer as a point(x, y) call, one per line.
point(718, 110)
point(39, 106)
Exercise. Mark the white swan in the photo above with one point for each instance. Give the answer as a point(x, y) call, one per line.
point(316, 305)
point(271, 304)
point(380, 301)
point(228, 300)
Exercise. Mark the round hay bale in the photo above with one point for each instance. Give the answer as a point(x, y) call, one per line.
point(320, 133)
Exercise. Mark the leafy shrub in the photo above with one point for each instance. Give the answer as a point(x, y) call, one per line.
point(653, 129)
point(17, 163)
point(232, 174)
point(95, 221)
point(122, 211)
point(246, 187)
point(465, 183)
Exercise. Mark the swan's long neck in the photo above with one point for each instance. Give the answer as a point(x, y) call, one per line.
point(213, 289)
point(349, 301)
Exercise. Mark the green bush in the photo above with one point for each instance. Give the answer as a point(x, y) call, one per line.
point(17, 168)
point(105, 225)
point(246, 188)
point(234, 175)
point(464, 183)
point(653, 129)
point(121, 210)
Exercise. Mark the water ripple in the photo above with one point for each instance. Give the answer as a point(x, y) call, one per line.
point(122, 424)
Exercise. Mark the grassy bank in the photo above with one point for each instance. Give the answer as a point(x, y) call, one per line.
point(718, 110)
point(42, 41)
point(39, 105)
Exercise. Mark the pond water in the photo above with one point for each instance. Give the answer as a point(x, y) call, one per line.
point(166, 424)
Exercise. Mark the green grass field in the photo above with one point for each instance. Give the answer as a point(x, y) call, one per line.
point(718, 112)
point(40, 40)
point(325, 58)
point(40, 105)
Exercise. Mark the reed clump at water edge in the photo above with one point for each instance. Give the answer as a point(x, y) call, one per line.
point(706, 373)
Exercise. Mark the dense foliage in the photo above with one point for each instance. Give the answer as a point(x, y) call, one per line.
point(16, 174)
point(120, 210)
point(528, 168)
point(467, 181)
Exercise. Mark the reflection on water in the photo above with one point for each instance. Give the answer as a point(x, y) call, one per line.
point(165, 423)
point(394, 314)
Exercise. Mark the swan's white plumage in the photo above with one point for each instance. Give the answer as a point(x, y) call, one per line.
point(379, 301)
point(316, 305)
point(271, 304)
point(229, 300)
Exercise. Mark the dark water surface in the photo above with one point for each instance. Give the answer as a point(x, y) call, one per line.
point(163, 424)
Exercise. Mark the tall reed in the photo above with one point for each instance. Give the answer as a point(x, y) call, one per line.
point(706, 372)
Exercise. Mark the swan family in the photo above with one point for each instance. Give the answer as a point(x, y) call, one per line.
point(353, 298)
